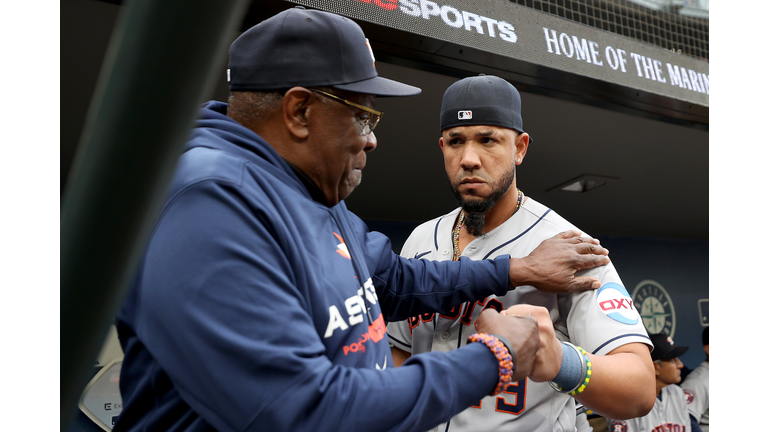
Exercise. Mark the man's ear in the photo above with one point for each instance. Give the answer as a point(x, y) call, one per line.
point(441, 143)
point(656, 368)
point(521, 147)
point(295, 111)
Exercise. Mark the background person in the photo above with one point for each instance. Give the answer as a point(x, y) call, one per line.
point(670, 411)
point(696, 388)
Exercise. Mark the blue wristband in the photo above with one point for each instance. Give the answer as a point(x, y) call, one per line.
point(571, 369)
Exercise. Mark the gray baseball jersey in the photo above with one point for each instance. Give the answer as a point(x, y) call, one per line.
point(597, 320)
point(670, 414)
point(696, 388)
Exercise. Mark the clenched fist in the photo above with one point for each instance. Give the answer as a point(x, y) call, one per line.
point(549, 356)
point(522, 332)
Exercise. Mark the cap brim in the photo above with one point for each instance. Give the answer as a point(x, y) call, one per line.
point(676, 352)
point(380, 86)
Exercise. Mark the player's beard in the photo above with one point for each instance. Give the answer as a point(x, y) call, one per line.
point(475, 209)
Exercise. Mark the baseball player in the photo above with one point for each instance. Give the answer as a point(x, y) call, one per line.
point(696, 387)
point(482, 143)
point(670, 412)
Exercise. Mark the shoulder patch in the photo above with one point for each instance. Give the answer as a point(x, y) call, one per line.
point(689, 396)
point(619, 426)
point(615, 302)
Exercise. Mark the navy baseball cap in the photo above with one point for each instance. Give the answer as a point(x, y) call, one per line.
point(310, 48)
point(664, 348)
point(481, 100)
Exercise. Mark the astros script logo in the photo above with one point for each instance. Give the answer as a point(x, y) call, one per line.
point(615, 303)
point(655, 306)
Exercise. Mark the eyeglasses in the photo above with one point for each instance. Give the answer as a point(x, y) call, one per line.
point(368, 123)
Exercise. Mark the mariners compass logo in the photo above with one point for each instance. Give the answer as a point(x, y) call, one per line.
point(655, 306)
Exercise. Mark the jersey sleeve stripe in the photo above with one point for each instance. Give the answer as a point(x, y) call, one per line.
point(521, 234)
point(621, 337)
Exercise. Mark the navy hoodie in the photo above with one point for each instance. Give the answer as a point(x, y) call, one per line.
point(256, 307)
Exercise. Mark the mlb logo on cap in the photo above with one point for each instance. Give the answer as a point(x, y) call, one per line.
point(465, 115)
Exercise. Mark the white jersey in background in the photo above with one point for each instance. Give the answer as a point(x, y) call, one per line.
point(668, 414)
point(696, 388)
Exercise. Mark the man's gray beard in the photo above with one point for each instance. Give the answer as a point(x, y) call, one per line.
point(474, 218)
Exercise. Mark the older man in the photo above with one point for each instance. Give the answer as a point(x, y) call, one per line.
point(261, 301)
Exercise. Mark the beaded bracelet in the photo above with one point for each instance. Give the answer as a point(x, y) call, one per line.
point(586, 372)
point(499, 349)
point(510, 350)
point(572, 368)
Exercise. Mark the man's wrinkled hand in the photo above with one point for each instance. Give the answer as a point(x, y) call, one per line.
point(549, 356)
point(552, 266)
point(522, 332)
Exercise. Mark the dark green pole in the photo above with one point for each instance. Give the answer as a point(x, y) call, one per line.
point(162, 61)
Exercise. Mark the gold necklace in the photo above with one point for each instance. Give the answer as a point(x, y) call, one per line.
point(457, 230)
point(456, 233)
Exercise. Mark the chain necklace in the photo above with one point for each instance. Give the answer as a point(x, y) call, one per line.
point(457, 230)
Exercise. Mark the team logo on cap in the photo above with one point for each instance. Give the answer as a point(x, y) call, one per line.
point(465, 115)
point(370, 50)
point(616, 303)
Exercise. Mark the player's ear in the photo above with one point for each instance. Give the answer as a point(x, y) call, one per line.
point(521, 147)
point(296, 103)
point(441, 143)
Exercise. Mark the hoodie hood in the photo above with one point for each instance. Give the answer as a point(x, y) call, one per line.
point(217, 131)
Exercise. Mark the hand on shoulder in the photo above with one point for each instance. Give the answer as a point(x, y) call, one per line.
point(552, 266)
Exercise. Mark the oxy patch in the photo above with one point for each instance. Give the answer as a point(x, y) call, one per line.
point(615, 302)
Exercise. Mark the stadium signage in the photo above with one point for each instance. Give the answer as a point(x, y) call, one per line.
point(581, 49)
point(509, 30)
